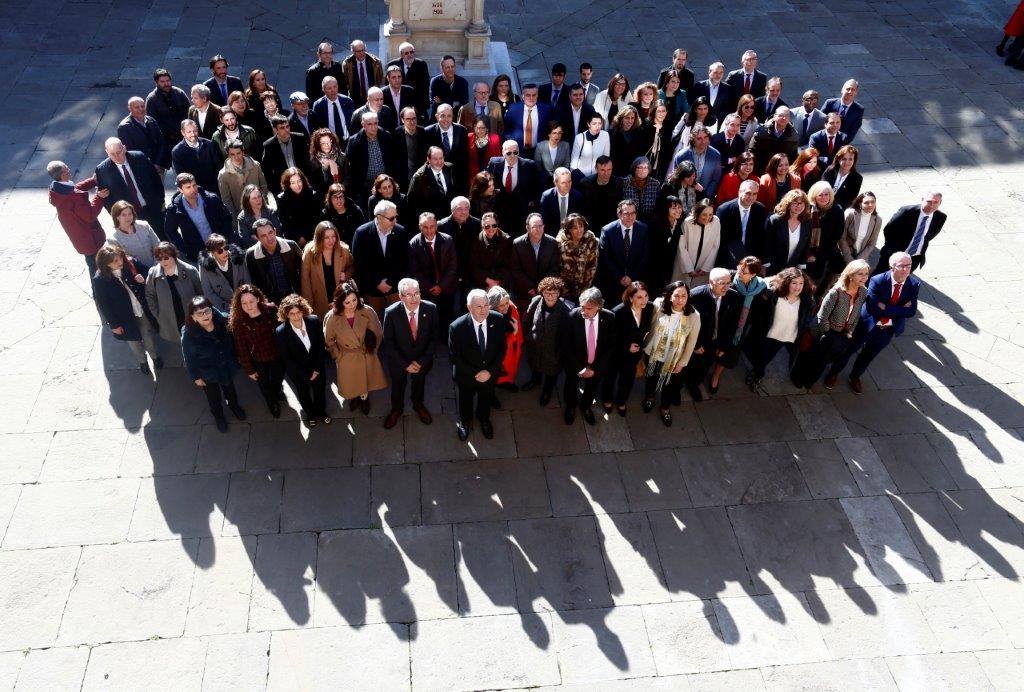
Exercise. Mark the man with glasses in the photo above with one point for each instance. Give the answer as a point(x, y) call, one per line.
point(482, 107)
point(409, 148)
point(323, 67)
point(416, 74)
point(380, 249)
point(298, 121)
point(410, 337)
point(286, 149)
point(273, 263)
point(519, 179)
point(892, 298)
point(363, 70)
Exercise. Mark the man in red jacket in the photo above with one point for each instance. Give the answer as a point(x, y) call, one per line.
point(77, 215)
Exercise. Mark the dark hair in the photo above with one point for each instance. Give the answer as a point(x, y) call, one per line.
point(106, 254)
point(183, 178)
point(215, 242)
point(666, 298)
point(691, 115)
point(602, 159)
point(335, 188)
point(843, 151)
point(742, 159)
point(781, 281)
point(378, 183)
point(752, 264)
point(447, 57)
point(343, 291)
point(617, 77)
point(558, 68)
point(290, 301)
point(772, 169)
point(572, 220)
point(632, 290)
point(247, 195)
point(316, 136)
point(859, 199)
point(479, 183)
point(278, 119)
point(529, 85)
point(165, 248)
point(551, 283)
point(553, 124)
point(586, 66)
point(683, 171)
point(699, 207)
point(482, 119)
point(502, 78)
point(197, 303)
point(670, 201)
point(235, 316)
point(216, 59)
point(160, 72)
point(288, 174)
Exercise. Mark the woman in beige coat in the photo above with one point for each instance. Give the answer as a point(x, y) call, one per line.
point(860, 232)
point(352, 334)
point(326, 264)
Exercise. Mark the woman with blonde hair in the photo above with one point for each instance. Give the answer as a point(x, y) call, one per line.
point(826, 231)
point(668, 347)
point(787, 232)
point(326, 263)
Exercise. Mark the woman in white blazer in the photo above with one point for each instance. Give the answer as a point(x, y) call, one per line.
point(588, 145)
point(613, 99)
point(697, 247)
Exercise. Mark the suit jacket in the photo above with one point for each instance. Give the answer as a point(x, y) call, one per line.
point(455, 94)
point(880, 291)
point(416, 75)
point(819, 140)
point(562, 157)
point(406, 98)
point(146, 138)
point(386, 118)
point(733, 248)
point(439, 270)
point(613, 264)
point(575, 342)
point(854, 116)
point(231, 82)
point(318, 114)
point(400, 155)
point(551, 213)
point(467, 116)
point(400, 349)
point(150, 186)
point(274, 163)
point(726, 317)
point(204, 162)
point(776, 244)
point(426, 195)
point(213, 112)
point(848, 241)
point(168, 113)
point(628, 332)
point(529, 268)
point(686, 79)
point(850, 188)
point(736, 79)
point(761, 107)
point(315, 74)
point(299, 363)
point(900, 229)
point(372, 265)
point(565, 116)
point(464, 348)
point(357, 152)
point(515, 204)
point(766, 144)
point(514, 123)
point(728, 151)
point(721, 106)
point(545, 90)
point(458, 154)
point(181, 230)
point(711, 175)
point(815, 121)
point(296, 125)
point(374, 76)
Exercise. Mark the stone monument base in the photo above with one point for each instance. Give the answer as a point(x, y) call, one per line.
point(491, 59)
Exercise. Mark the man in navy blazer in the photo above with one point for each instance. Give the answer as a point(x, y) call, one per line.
point(556, 92)
point(848, 109)
point(518, 200)
point(717, 91)
point(828, 141)
point(416, 74)
point(326, 109)
point(181, 228)
point(476, 349)
point(620, 264)
point(221, 84)
point(551, 201)
point(728, 142)
point(740, 239)
point(765, 106)
point(748, 79)
point(140, 132)
point(380, 249)
point(408, 355)
point(433, 262)
point(911, 228)
point(148, 195)
point(892, 298)
point(575, 115)
point(709, 174)
point(197, 156)
point(539, 115)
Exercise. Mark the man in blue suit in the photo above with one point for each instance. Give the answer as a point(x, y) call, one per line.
point(892, 298)
point(706, 159)
point(622, 252)
point(131, 177)
point(197, 155)
point(558, 202)
point(848, 109)
point(140, 132)
point(221, 84)
point(828, 141)
point(333, 110)
point(528, 113)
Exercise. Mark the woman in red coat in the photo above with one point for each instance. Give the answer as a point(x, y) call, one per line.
point(78, 215)
point(1014, 28)
point(501, 302)
point(482, 147)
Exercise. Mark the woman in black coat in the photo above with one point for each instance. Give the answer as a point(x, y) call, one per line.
point(304, 364)
point(120, 293)
point(385, 189)
point(632, 323)
point(297, 206)
point(543, 331)
point(663, 241)
point(827, 223)
point(490, 255)
point(844, 170)
point(790, 310)
point(208, 349)
point(343, 212)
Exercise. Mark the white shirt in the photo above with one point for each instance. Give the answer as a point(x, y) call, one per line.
point(476, 331)
point(840, 179)
point(785, 322)
point(202, 116)
point(439, 177)
point(862, 232)
point(343, 129)
point(303, 336)
point(577, 113)
point(794, 240)
point(713, 92)
point(136, 305)
point(515, 175)
point(126, 170)
point(383, 237)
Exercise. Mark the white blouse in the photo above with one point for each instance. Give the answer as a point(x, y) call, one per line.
point(785, 322)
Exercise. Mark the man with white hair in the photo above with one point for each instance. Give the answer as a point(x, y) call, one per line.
point(463, 227)
point(333, 110)
point(892, 298)
point(729, 142)
point(476, 348)
point(380, 249)
point(776, 136)
point(131, 177)
point(848, 109)
point(719, 94)
point(140, 132)
point(363, 70)
point(205, 112)
point(556, 203)
point(368, 153)
point(719, 310)
point(410, 336)
point(590, 340)
point(375, 104)
point(433, 263)
point(416, 74)
point(323, 67)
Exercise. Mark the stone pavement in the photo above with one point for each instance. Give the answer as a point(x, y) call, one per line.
point(822, 540)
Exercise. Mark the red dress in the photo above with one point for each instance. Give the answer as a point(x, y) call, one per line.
point(1015, 26)
point(513, 349)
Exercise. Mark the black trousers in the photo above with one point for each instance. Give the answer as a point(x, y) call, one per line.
point(622, 373)
point(271, 375)
point(571, 394)
point(312, 396)
point(869, 343)
point(549, 381)
point(398, 381)
point(216, 394)
point(155, 218)
point(763, 352)
point(812, 363)
point(484, 394)
point(669, 390)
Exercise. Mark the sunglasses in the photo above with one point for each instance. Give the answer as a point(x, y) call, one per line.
point(389, 218)
point(220, 251)
point(490, 225)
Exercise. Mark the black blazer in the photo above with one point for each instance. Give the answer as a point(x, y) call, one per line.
point(273, 162)
point(732, 248)
point(387, 118)
point(726, 102)
point(406, 98)
point(422, 265)
point(204, 162)
point(231, 82)
point(727, 316)
point(458, 154)
point(850, 188)
point(299, 363)
point(298, 127)
point(399, 347)
point(399, 167)
point(146, 138)
point(426, 195)
point(372, 266)
point(528, 269)
point(728, 151)
point(545, 90)
point(416, 76)
point(564, 115)
point(758, 83)
point(549, 209)
point(575, 341)
point(514, 205)
point(151, 188)
point(776, 244)
point(464, 349)
point(627, 332)
point(358, 156)
point(761, 107)
point(899, 231)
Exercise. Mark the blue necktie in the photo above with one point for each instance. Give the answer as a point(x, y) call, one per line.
point(918, 237)
point(481, 340)
point(445, 144)
point(224, 92)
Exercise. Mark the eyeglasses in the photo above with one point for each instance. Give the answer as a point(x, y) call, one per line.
point(490, 225)
point(511, 153)
point(337, 195)
point(220, 251)
point(902, 266)
point(388, 218)
point(203, 312)
point(409, 52)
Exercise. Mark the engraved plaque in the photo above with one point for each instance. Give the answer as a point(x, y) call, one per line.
point(438, 9)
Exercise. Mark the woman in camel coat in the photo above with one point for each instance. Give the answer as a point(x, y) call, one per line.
point(326, 264)
point(352, 334)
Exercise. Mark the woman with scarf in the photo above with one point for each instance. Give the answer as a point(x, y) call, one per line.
point(327, 161)
point(674, 329)
point(483, 146)
point(577, 246)
point(747, 282)
point(543, 330)
point(642, 188)
point(827, 224)
point(694, 250)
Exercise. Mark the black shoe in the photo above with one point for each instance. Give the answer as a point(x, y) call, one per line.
point(487, 429)
point(648, 405)
point(496, 403)
point(545, 398)
point(588, 416)
point(607, 406)
point(528, 386)
point(666, 417)
point(463, 432)
point(509, 387)
point(570, 415)
point(158, 363)
point(621, 410)
point(144, 369)
point(695, 393)
point(222, 424)
point(275, 410)
point(364, 404)
point(238, 411)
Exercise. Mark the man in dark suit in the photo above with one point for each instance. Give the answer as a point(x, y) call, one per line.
point(534, 256)
point(324, 67)
point(576, 114)
point(132, 177)
point(590, 90)
point(197, 156)
point(463, 228)
point(221, 84)
point(892, 299)
point(555, 93)
point(168, 105)
point(556, 203)
point(409, 148)
point(203, 111)
point(386, 117)
point(269, 248)
point(453, 139)
point(368, 152)
point(139, 132)
point(397, 96)
point(333, 110)
point(300, 121)
point(410, 335)
point(432, 187)
point(448, 87)
point(527, 122)
point(519, 180)
point(380, 249)
point(286, 149)
point(589, 340)
point(748, 79)
point(728, 142)
point(622, 252)
point(910, 230)
point(742, 221)
point(828, 141)
point(476, 348)
point(193, 215)
point(807, 119)
point(433, 263)
point(719, 310)
point(415, 74)
point(362, 71)
point(602, 192)
point(719, 94)
point(678, 65)
point(848, 109)
point(765, 106)
point(776, 136)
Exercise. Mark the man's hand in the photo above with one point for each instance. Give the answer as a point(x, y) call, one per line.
point(103, 194)
point(316, 374)
point(119, 331)
point(482, 376)
point(384, 286)
point(435, 291)
point(412, 368)
point(625, 281)
point(634, 348)
point(586, 373)
point(200, 382)
point(254, 377)
point(491, 283)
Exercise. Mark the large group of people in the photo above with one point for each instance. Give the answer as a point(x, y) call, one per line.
point(665, 232)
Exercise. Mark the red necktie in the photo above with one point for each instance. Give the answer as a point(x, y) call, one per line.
point(896, 288)
point(508, 179)
point(746, 85)
point(433, 260)
point(831, 144)
point(132, 190)
point(412, 325)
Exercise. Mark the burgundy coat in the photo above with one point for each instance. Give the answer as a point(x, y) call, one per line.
point(78, 216)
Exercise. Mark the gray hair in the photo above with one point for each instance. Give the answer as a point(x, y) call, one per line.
point(531, 216)
point(56, 169)
point(328, 80)
point(202, 90)
point(749, 183)
point(714, 66)
point(407, 283)
point(783, 111)
point(458, 202)
point(495, 295)
point(384, 206)
point(719, 273)
point(133, 99)
point(405, 45)
point(426, 216)
point(375, 90)
point(560, 171)
point(592, 296)
point(367, 117)
point(443, 108)
point(476, 293)
point(112, 142)
point(897, 256)
point(234, 144)
point(729, 118)
point(189, 121)
point(773, 80)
